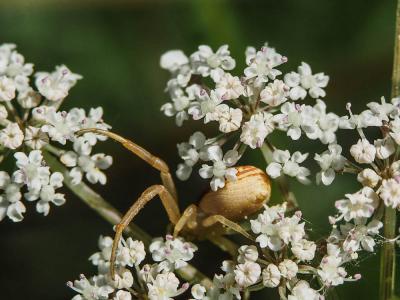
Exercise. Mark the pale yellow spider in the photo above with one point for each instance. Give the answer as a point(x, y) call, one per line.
point(237, 200)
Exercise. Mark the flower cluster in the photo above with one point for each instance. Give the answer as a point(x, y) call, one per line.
point(281, 257)
point(248, 106)
point(32, 126)
point(133, 279)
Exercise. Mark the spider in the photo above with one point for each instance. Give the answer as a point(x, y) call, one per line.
point(237, 200)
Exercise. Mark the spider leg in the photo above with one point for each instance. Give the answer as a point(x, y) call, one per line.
point(188, 216)
point(151, 159)
point(150, 193)
point(211, 220)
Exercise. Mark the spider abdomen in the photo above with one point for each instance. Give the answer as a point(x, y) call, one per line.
point(241, 197)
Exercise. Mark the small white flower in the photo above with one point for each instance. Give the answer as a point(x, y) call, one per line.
point(384, 148)
point(302, 291)
point(132, 253)
point(291, 119)
point(123, 279)
point(363, 152)
point(95, 289)
point(7, 89)
point(60, 126)
point(10, 204)
point(205, 61)
point(230, 87)
point(247, 253)
point(368, 177)
point(31, 170)
point(304, 250)
point(35, 138)
point(256, 129)
point(173, 253)
point(55, 86)
point(12, 136)
point(305, 80)
point(221, 167)
point(190, 152)
point(358, 205)
point(122, 295)
point(275, 93)
point(360, 235)
point(288, 269)
point(247, 273)
point(330, 161)
point(284, 163)
point(198, 291)
point(29, 98)
point(390, 192)
point(173, 60)
point(271, 276)
point(331, 272)
point(165, 287)
point(229, 118)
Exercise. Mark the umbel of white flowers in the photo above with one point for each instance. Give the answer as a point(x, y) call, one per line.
point(30, 124)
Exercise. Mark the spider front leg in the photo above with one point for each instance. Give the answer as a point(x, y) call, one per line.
point(151, 159)
point(150, 193)
point(211, 220)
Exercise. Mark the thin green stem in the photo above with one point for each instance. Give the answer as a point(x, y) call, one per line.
point(113, 216)
point(388, 255)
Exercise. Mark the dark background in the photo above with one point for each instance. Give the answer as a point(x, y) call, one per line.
point(116, 46)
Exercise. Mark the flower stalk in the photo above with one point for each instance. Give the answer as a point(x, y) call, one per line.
point(388, 255)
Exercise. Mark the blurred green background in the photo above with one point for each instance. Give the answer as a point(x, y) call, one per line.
point(116, 46)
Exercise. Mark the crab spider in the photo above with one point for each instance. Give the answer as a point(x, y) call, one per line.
point(234, 202)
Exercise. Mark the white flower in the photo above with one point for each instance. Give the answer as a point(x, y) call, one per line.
point(288, 269)
point(181, 102)
point(221, 167)
point(274, 93)
point(95, 289)
point(132, 253)
point(122, 295)
point(12, 136)
point(10, 204)
point(302, 291)
point(291, 119)
point(267, 228)
point(247, 273)
point(7, 89)
point(390, 192)
point(123, 279)
point(256, 129)
point(105, 245)
point(261, 65)
point(60, 126)
point(331, 272)
point(47, 194)
point(229, 118)
point(35, 138)
point(29, 98)
point(305, 80)
point(247, 253)
point(230, 87)
point(190, 153)
point(368, 177)
point(284, 163)
point(384, 148)
point(206, 107)
point(173, 253)
point(359, 205)
point(55, 86)
point(83, 163)
point(271, 276)
point(31, 170)
point(204, 60)
point(164, 287)
point(304, 249)
point(173, 60)
point(198, 291)
point(330, 161)
point(360, 235)
point(363, 152)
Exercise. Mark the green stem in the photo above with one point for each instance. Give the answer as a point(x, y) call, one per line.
point(388, 255)
point(113, 216)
